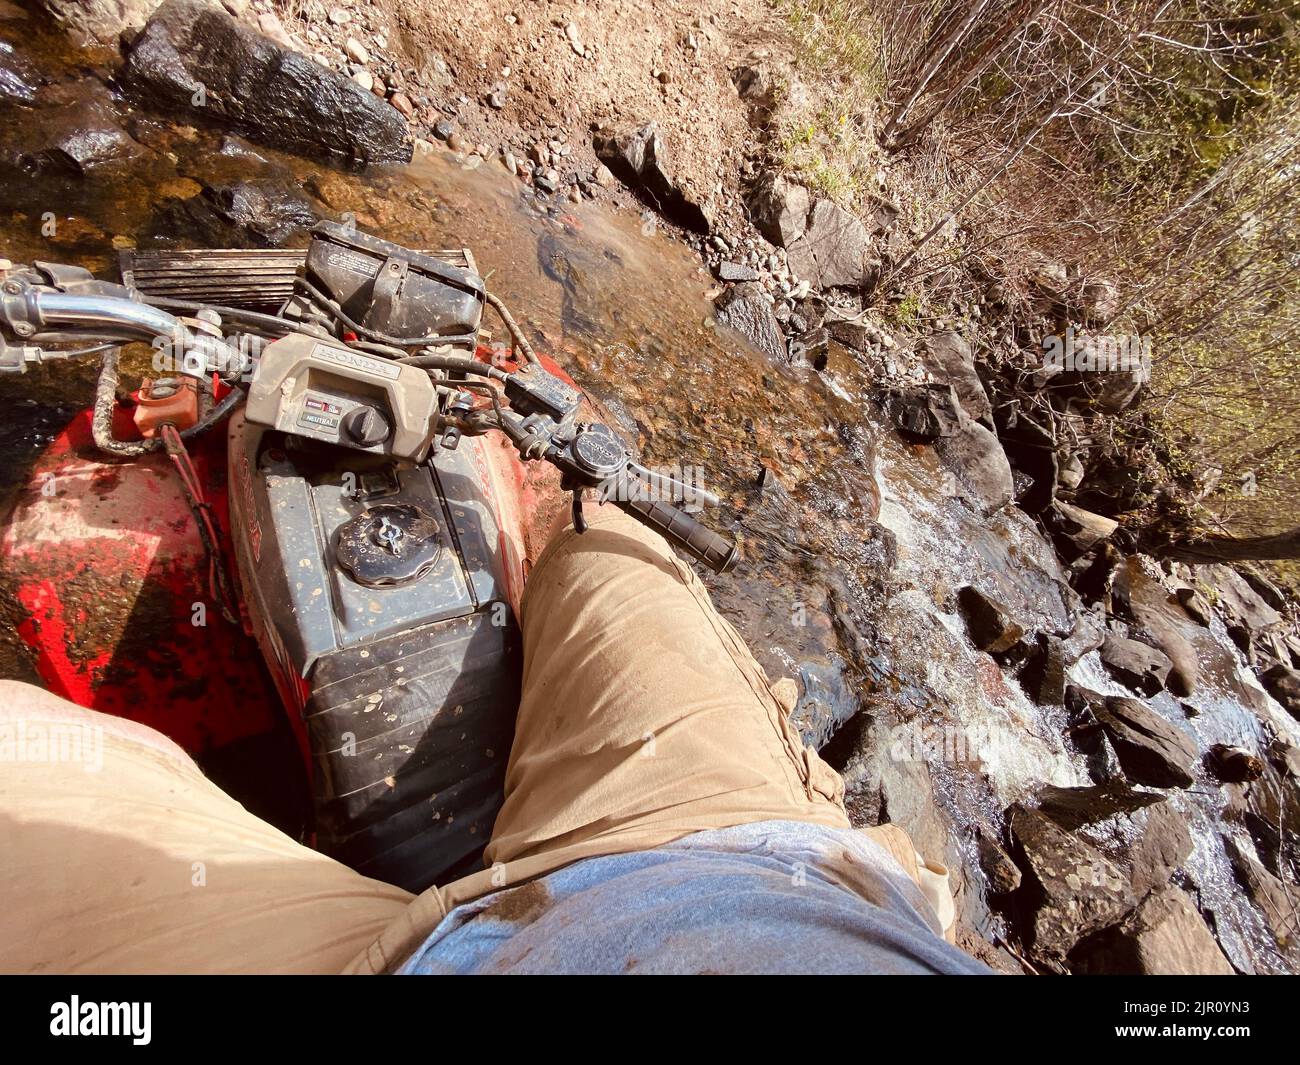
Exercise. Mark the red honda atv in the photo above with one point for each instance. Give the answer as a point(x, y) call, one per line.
point(380, 538)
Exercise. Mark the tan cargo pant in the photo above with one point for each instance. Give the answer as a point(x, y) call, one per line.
point(643, 719)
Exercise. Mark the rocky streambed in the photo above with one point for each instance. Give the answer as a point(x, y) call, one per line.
point(1103, 749)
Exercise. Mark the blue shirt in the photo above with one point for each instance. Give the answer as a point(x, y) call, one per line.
point(770, 897)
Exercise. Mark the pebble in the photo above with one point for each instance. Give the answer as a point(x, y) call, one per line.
point(403, 103)
point(356, 51)
point(458, 143)
point(340, 16)
point(547, 180)
point(508, 161)
point(444, 129)
point(496, 100)
point(365, 79)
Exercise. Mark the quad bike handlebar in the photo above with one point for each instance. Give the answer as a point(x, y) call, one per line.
point(53, 304)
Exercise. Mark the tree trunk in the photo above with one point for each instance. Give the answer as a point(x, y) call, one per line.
point(1204, 549)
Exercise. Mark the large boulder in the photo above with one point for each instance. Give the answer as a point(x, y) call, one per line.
point(980, 466)
point(1071, 889)
point(194, 58)
point(949, 358)
point(639, 158)
point(1151, 750)
point(1165, 936)
point(832, 250)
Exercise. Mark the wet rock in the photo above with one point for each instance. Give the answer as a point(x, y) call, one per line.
point(1003, 874)
point(1069, 470)
point(779, 210)
point(1197, 606)
point(812, 346)
point(1283, 683)
point(193, 58)
point(832, 250)
point(980, 465)
point(639, 159)
point(1240, 603)
point(1043, 675)
point(1161, 849)
point(1271, 897)
point(1236, 765)
point(732, 272)
point(927, 413)
point(988, 621)
point(1151, 750)
point(949, 358)
point(19, 80)
point(1076, 531)
point(244, 214)
point(1165, 936)
point(745, 309)
point(1286, 757)
point(1087, 633)
point(1071, 889)
point(1072, 808)
point(1135, 664)
point(78, 138)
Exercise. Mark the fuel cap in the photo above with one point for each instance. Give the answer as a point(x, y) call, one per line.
point(393, 543)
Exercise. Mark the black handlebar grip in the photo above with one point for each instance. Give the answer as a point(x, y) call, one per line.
point(678, 527)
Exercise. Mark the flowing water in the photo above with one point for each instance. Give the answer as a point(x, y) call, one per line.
point(853, 546)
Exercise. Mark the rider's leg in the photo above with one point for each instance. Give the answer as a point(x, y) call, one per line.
point(644, 718)
point(119, 856)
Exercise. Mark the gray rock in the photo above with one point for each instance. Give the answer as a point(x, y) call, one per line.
point(980, 465)
point(1271, 897)
point(927, 413)
point(949, 358)
point(1071, 889)
point(745, 310)
point(639, 159)
point(242, 214)
point(99, 21)
point(1077, 531)
point(832, 250)
point(1003, 874)
point(1043, 675)
point(1161, 849)
point(813, 346)
point(1151, 750)
point(253, 85)
point(728, 271)
point(1197, 606)
point(1072, 808)
point(988, 621)
point(19, 80)
point(1135, 663)
point(1165, 936)
point(779, 210)
point(1283, 683)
